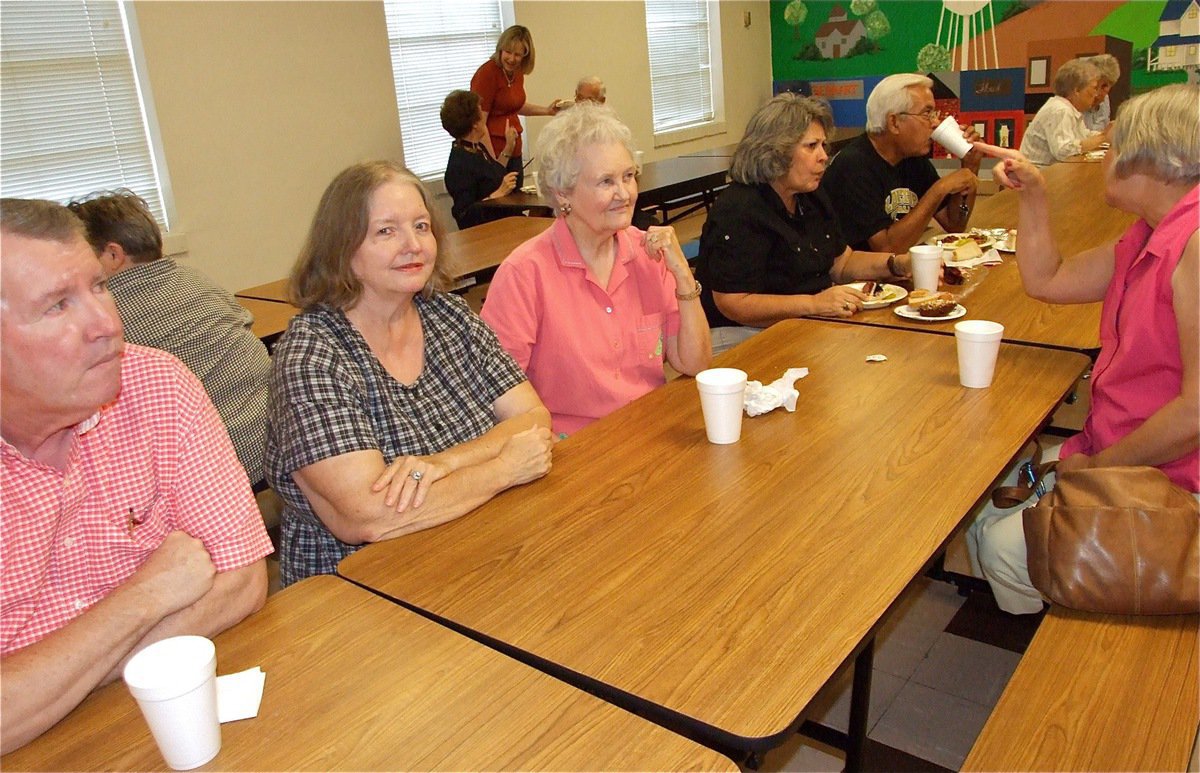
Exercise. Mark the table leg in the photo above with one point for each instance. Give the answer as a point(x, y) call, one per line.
point(860, 703)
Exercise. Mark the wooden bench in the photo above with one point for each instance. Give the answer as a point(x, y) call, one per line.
point(1098, 692)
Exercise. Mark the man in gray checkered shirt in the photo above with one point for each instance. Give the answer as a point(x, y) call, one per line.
point(174, 307)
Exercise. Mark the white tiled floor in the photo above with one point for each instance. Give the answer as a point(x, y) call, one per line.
point(931, 691)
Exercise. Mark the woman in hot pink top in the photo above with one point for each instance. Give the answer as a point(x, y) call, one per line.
point(1146, 382)
point(591, 308)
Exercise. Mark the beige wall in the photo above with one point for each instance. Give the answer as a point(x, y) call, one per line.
point(259, 104)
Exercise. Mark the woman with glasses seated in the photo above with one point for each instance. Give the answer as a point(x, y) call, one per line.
point(473, 173)
point(772, 247)
point(883, 186)
point(1058, 131)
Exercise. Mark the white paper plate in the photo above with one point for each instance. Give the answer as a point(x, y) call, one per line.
point(908, 312)
point(953, 237)
point(891, 294)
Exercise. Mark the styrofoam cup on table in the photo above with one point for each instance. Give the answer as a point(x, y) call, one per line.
point(175, 684)
point(950, 136)
point(926, 266)
point(978, 347)
point(722, 397)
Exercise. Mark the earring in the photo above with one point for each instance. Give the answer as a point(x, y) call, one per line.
point(564, 209)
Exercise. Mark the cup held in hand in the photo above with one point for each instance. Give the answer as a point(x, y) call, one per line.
point(722, 392)
point(950, 136)
point(175, 684)
point(978, 347)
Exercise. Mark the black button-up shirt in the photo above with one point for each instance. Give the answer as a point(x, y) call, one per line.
point(750, 244)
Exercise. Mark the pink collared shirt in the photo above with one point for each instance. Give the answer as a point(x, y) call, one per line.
point(587, 349)
point(157, 459)
point(1140, 367)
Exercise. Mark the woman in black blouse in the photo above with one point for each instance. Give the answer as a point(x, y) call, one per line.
point(771, 248)
point(473, 173)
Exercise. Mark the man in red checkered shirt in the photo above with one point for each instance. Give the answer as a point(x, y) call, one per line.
point(125, 516)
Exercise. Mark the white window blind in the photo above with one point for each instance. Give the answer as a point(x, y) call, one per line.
point(680, 63)
point(71, 120)
point(436, 48)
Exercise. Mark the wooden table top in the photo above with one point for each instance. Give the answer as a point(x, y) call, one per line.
point(355, 682)
point(271, 318)
point(1086, 671)
point(728, 583)
point(473, 253)
point(519, 202)
point(673, 178)
point(1080, 220)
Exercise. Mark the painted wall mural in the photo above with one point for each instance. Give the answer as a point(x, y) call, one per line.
point(994, 59)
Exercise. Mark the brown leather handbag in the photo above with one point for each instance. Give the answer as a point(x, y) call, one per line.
point(1119, 540)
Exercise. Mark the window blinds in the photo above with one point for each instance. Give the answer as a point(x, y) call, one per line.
point(680, 66)
point(71, 121)
point(436, 48)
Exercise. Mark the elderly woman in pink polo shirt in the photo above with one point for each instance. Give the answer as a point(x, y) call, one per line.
point(592, 307)
point(1146, 382)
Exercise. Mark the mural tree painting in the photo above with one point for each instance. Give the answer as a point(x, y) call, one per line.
point(933, 58)
point(877, 24)
point(795, 14)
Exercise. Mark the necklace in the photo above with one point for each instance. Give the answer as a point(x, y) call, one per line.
point(508, 77)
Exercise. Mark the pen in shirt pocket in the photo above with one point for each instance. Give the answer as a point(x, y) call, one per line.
point(134, 520)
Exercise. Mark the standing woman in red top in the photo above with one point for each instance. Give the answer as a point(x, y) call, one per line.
point(500, 84)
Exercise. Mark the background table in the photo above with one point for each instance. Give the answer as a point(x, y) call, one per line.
point(716, 589)
point(517, 202)
point(355, 682)
point(271, 318)
point(1080, 220)
point(687, 182)
point(472, 254)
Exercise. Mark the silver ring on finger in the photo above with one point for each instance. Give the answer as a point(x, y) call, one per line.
point(416, 475)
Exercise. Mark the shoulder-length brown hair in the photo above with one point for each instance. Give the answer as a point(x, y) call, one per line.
point(322, 274)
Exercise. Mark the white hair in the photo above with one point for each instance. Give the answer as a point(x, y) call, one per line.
point(569, 132)
point(1158, 134)
point(1109, 67)
point(591, 80)
point(892, 96)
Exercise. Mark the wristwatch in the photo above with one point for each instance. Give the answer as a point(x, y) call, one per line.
point(892, 268)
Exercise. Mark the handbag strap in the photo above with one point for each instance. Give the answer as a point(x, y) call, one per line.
point(1031, 481)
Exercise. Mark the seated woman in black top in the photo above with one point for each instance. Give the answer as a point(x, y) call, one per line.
point(772, 248)
point(473, 173)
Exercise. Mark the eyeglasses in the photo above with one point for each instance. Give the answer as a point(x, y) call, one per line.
point(929, 114)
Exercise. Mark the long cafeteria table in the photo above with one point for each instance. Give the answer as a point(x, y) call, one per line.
point(271, 318)
point(676, 183)
point(716, 589)
point(354, 682)
point(1080, 220)
point(472, 254)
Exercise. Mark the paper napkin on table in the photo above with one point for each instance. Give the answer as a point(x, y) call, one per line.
point(989, 258)
point(239, 695)
point(761, 399)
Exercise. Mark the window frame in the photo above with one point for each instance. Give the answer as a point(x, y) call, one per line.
point(715, 125)
point(433, 178)
point(155, 156)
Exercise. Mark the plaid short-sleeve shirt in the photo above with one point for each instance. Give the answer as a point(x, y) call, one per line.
point(154, 461)
point(331, 396)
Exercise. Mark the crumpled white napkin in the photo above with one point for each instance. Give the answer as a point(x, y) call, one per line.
point(989, 258)
point(761, 399)
point(239, 695)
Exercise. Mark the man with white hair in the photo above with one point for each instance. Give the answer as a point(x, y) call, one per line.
point(125, 517)
point(883, 186)
point(590, 89)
